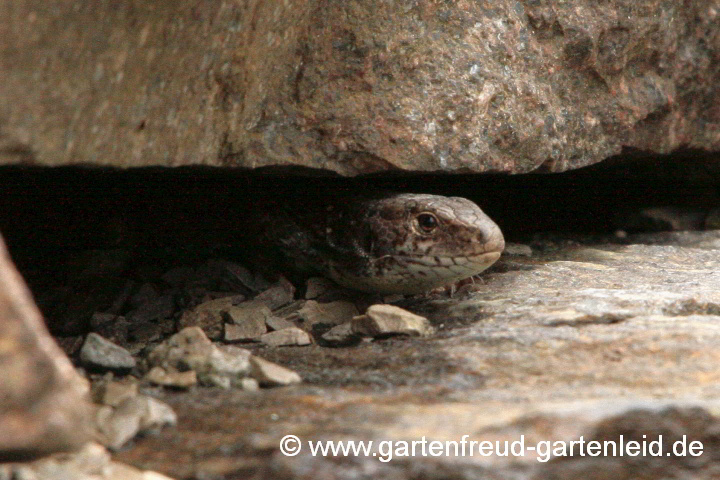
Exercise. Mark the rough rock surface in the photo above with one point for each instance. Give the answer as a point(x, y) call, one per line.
point(599, 338)
point(44, 406)
point(356, 86)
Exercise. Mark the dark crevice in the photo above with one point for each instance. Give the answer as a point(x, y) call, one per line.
point(145, 221)
point(84, 207)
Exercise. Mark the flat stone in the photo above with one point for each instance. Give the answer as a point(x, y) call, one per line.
point(287, 336)
point(247, 321)
point(99, 353)
point(277, 295)
point(242, 333)
point(331, 313)
point(160, 376)
point(277, 323)
point(290, 310)
point(342, 334)
point(382, 320)
point(270, 374)
point(99, 263)
point(210, 316)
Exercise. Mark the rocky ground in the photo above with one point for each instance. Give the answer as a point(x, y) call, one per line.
point(200, 370)
point(197, 366)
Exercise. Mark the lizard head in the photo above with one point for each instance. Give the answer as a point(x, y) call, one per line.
point(417, 242)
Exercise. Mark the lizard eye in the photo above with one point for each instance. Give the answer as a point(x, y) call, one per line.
point(427, 222)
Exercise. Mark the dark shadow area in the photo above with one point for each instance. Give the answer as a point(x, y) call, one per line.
point(595, 199)
point(68, 226)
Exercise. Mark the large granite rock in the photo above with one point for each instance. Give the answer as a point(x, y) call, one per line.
point(43, 408)
point(356, 86)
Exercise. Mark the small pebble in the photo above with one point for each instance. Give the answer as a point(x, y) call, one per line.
point(269, 374)
point(331, 313)
point(137, 415)
point(99, 353)
point(341, 335)
point(382, 320)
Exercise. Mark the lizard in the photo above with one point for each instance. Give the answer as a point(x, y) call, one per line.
point(385, 243)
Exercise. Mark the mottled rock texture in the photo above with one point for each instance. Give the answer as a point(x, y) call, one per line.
point(356, 86)
point(612, 339)
point(42, 404)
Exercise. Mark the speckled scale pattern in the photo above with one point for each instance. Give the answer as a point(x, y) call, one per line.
point(375, 243)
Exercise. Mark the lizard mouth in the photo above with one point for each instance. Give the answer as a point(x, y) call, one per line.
point(439, 268)
point(408, 274)
point(477, 259)
point(451, 267)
